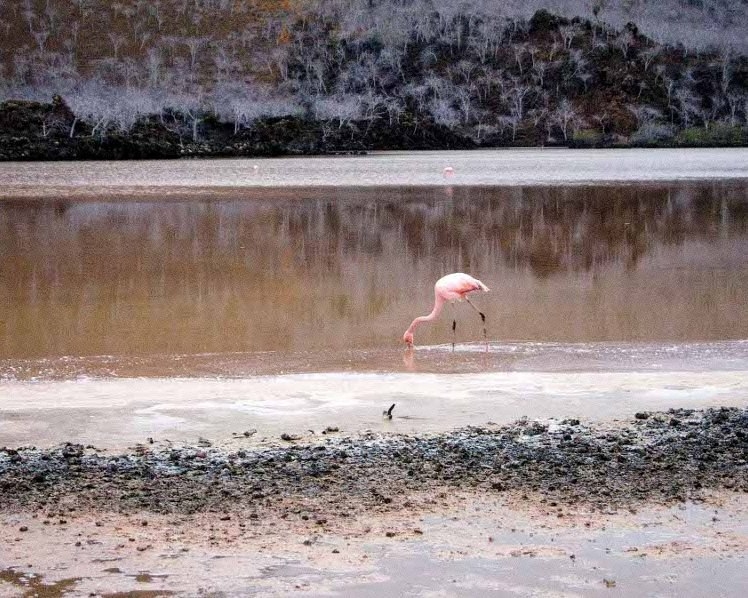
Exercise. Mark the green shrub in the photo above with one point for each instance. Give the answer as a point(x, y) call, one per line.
point(717, 134)
point(586, 138)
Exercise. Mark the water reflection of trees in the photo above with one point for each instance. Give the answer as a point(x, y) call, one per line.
point(544, 229)
point(345, 266)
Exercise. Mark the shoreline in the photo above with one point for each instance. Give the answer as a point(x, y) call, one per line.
point(653, 503)
point(662, 456)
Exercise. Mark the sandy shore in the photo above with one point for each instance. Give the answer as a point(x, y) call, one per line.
point(570, 508)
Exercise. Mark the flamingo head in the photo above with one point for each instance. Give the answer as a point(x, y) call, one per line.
point(408, 339)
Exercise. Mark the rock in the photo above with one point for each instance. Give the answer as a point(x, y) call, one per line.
point(653, 461)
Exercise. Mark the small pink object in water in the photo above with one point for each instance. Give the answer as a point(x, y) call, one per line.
point(452, 287)
point(448, 172)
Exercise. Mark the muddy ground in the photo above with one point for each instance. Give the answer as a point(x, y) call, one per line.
point(660, 456)
point(330, 516)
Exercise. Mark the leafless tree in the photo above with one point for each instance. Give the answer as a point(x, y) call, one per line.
point(154, 61)
point(195, 44)
point(519, 51)
point(117, 41)
point(649, 55)
point(686, 105)
point(30, 15)
point(726, 69)
point(53, 14)
point(624, 41)
point(41, 37)
point(92, 105)
point(568, 33)
point(734, 102)
point(644, 114)
point(464, 69)
point(512, 122)
point(539, 70)
point(155, 11)
point(341, 109)
point(578, 62)
point(709, 110)
point(566, 117)
point(602, 120)
point(515, 96)
point(443, 112)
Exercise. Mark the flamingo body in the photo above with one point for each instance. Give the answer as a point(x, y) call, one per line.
point(452, 287)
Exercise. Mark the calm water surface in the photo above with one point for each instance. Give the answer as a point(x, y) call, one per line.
point(348, 269)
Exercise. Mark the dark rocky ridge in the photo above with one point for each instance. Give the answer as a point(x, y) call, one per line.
point(21, 121)
point(658, 457)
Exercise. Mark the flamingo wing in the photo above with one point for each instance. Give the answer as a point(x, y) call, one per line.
point(457, 285)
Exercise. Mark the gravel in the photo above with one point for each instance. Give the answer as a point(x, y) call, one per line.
point(663, 457)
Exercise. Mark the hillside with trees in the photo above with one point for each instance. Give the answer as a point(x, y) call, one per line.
point(170, 78)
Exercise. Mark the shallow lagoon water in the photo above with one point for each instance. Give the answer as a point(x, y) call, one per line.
point(183, 410)
point(350, 269)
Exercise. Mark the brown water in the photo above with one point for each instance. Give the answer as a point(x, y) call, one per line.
point(347, 269)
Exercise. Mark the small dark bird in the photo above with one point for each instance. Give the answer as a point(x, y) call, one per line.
point(388, 413)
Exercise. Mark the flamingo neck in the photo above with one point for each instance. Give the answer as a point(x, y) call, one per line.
point(438, 304)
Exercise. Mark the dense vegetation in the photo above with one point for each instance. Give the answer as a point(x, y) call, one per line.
point(224, 77)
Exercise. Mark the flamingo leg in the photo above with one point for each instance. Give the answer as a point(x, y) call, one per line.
point(482, 317)
point(454, 327)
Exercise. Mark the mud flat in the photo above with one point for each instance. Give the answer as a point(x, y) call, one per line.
point(649, 504)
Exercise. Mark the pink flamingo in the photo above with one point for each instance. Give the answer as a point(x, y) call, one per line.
point(452, 287)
